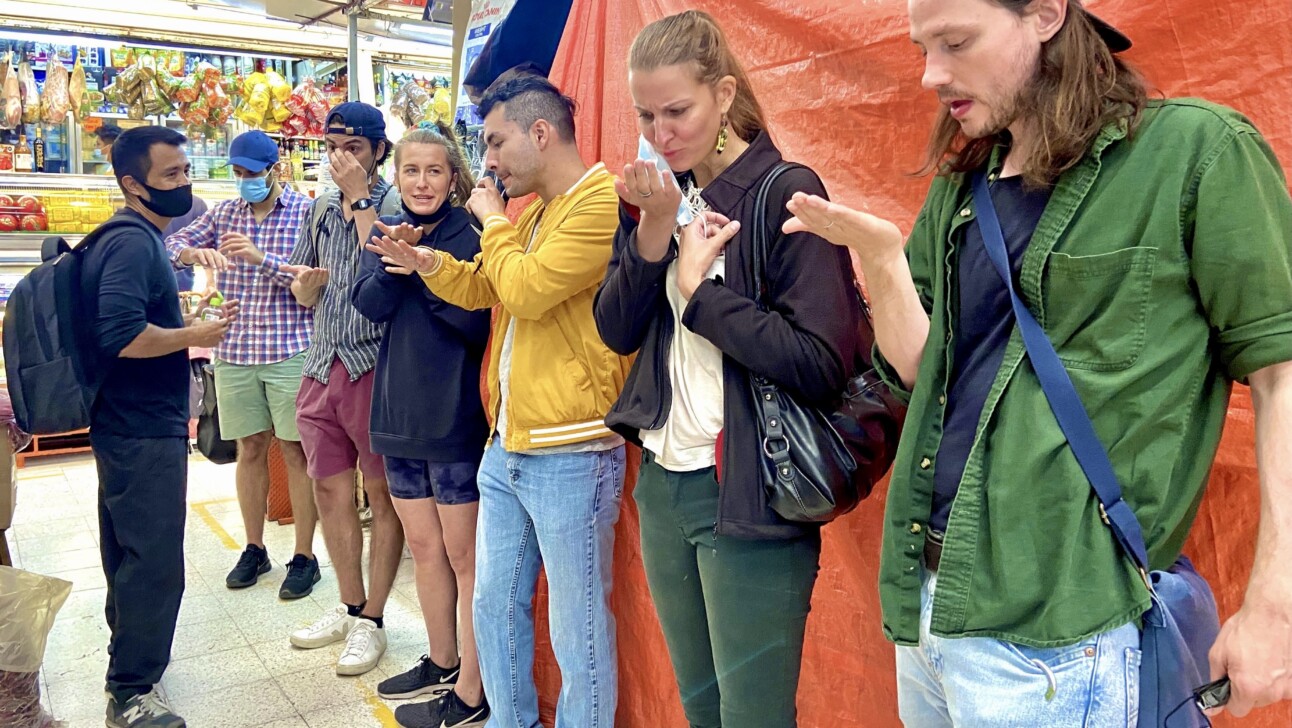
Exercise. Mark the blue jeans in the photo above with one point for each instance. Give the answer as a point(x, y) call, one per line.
point(558, 511)
point(988, 683)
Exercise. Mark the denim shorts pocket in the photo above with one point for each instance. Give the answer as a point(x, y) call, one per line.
point(1133, 659)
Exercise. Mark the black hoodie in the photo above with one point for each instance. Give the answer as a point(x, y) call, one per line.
point(426, 395)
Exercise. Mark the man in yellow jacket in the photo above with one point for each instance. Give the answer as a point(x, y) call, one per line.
point(552, 476)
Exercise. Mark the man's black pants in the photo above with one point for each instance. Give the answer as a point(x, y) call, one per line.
point(142, 489)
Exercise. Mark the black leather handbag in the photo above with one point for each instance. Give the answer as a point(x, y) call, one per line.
point(209, 441)
point(819, 464)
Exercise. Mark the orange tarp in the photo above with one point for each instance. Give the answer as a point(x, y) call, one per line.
point(841, 84)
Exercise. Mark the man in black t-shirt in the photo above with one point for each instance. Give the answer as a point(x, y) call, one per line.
point(139, 421)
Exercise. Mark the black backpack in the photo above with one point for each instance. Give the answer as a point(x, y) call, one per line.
point(51, 356)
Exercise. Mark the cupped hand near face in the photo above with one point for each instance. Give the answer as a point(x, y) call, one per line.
point(655, 193)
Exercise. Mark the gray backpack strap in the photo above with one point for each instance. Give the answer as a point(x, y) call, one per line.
point(321, 204)
point(391, 203)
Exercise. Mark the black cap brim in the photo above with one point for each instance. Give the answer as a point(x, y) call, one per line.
point(1115, 39)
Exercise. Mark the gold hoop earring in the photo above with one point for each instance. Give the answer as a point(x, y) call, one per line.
point(722, 136)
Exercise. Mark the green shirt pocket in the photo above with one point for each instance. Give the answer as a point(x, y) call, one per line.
point(1096, 306)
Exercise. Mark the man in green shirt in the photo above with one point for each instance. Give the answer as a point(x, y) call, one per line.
point(1153, 242)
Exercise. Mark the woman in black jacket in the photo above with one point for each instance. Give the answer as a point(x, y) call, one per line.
point(429, 424)
point(731, 580)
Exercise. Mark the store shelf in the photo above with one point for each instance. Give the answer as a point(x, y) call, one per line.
point(64, 444)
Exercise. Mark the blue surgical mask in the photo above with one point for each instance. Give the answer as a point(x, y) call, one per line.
point(254, 189)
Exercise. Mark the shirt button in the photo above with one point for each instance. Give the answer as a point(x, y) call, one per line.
point(966, 212)
point(925, 463)
point(942, 399)
point(916, 528)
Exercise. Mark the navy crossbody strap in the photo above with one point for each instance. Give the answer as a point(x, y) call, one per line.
point(1063, 398)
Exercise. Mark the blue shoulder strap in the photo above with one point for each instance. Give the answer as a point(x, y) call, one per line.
point(1063, 398)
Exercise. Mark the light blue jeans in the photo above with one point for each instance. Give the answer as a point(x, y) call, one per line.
point(557, 511)
point(975, 682)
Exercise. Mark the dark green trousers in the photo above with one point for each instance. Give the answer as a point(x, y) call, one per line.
point(733, 611)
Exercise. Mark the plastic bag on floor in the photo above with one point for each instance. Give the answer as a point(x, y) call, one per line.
point(28, 604)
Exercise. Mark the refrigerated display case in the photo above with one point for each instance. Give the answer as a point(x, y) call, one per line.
point(34, 206)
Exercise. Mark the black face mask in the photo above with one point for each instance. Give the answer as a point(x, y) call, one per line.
point(169, 203)
point(431, 219)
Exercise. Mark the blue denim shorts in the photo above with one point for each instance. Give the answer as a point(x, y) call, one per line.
point(451, 484)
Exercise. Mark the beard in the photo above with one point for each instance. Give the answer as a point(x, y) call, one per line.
point(1006, 107)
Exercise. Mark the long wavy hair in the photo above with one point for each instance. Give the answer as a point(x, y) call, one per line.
point(694, 37)
point(442, 135)
point(1080, 86)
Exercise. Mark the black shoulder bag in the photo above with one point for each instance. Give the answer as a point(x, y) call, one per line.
point(818, 465)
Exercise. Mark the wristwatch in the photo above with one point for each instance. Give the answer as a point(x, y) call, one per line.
point(363, 204)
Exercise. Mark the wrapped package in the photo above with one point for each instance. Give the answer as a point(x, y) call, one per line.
point(259, 98)
point(220, 116)
point(136, 111)
point(296, 126)
point(129, 81)
point(195, 113)
point(55, 102)
point(168, 85)
point(10, 97)
point(278, 86)
point(216, 98)
point(28, 605)
point(147, 66)
point(250, 115)
point(76, 88)
point(30, 94)
point(187, 92)
point(296, 104)
point(280, 113)
point(207, 73)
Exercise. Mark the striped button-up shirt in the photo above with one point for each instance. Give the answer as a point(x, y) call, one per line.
point(340, 331)
point(272, 326)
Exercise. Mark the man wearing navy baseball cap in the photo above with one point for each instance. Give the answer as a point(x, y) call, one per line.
point(246, 243)
point(335, 400)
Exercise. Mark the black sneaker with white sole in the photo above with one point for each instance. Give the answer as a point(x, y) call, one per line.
point(457, 714)
point(425, 677)
point(253, 562)
point(445, 712)
point(302, 575)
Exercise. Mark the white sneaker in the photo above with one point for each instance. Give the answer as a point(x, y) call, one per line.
point(363, 648)
point(333, 626)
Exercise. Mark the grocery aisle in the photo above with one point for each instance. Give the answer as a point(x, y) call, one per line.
point(232, 666)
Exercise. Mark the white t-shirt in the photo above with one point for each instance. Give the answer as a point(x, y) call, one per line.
point(689, 436)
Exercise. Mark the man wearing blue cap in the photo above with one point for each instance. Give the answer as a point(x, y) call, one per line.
point(334, 406)
point(246, 242)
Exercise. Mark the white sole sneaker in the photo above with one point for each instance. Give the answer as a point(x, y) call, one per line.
point(333, 627)
point(364, 647)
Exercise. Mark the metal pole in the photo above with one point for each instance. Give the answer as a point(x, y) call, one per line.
point(353, 57)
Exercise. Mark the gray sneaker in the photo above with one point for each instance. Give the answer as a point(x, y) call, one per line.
point(143, 711)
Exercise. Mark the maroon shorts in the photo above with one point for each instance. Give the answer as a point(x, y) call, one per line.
point(333, 420)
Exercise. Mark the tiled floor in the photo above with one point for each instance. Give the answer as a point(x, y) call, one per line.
point(232, 665)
